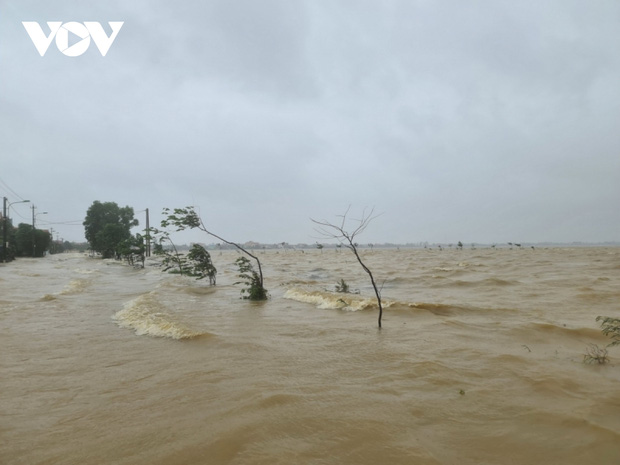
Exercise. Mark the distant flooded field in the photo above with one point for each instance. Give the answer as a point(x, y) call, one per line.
point(480, 361)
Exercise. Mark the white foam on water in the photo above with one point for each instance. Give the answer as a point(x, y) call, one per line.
point(146, 315)
point(322, 299)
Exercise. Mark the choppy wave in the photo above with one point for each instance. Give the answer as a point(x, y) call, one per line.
point(355, 302)
point(440, 309)
point(578, 332)
point(146, 315)
point(488, 283)
point(76, 286)
point(547, 332)
point(323, 299)
point(198, 290)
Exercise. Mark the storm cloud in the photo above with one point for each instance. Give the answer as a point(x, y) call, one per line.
point(482, 121)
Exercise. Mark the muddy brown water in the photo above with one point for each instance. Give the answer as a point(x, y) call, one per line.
point(480, 361)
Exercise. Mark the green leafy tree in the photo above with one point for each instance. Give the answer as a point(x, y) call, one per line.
point(23, 240)
point(110, 238)
point(107, 225)
point(196, 263)
point(11, 246)
point(200, 264)
point(187, 218)
point(31, 243)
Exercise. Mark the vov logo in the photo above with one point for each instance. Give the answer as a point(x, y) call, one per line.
point(79, 33)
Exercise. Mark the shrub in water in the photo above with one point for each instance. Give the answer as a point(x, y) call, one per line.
point(254, 289)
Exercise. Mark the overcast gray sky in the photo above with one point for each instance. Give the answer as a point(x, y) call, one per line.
point(478, 121)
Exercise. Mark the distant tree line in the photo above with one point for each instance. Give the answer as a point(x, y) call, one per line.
point(60, 246)
point(24, 241)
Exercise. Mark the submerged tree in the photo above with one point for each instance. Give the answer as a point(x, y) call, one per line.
point(342, 287)
point(254, 290)
point(346, 238)
point(187, 218)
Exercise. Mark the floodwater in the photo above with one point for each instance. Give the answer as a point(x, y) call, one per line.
point(479, 361)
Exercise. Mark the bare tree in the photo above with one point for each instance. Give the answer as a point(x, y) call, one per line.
point(337, 231)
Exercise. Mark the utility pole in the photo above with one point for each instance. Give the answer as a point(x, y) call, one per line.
point(5, 220)
point(148, 235)
point(4, 229)
point(34, 235)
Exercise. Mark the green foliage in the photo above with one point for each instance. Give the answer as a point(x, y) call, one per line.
point(23, 240)
point(187, 218)
point(174, 262)
point(107, 225)
point(196, 263)
point(171, 258)
point(29, 243)
point(43, 240)
point(158, 249)
point(9, 231)
point(342, 286)
point(611, 327)
point(200, 264)
point(254, 289)
point(109, 239)
point(181, 218)
point(132, 250)
point(65, 246)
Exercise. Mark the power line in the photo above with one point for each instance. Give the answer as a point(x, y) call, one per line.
point(67, 223)
point(8, 188)
point(18, 214)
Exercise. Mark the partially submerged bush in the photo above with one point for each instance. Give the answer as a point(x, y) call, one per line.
point(254, 289)
point(342, 286)
point(595, 354)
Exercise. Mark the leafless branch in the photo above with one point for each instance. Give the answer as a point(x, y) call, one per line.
point(338, 232)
